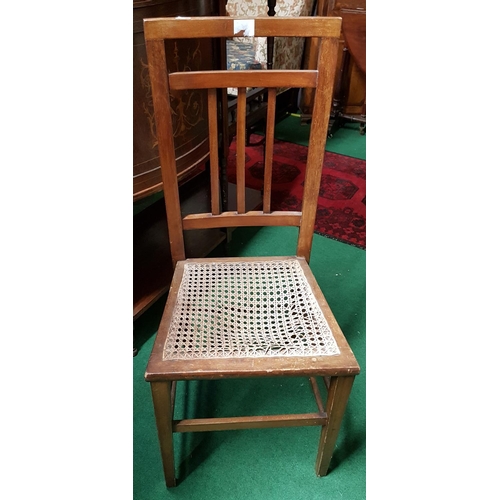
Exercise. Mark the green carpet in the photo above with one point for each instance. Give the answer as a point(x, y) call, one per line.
point(345, 141)
point(261, 464)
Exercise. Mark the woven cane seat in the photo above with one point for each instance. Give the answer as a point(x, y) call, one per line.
point(245, 309)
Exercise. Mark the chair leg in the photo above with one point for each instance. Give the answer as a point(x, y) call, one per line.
point(161, 392)
point(338, 394)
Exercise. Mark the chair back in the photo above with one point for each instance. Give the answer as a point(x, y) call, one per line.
point(164, 80)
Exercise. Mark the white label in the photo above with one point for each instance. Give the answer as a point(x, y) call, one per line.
point(245, 25)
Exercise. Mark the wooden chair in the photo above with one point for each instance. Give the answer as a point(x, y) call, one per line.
point(246, 317)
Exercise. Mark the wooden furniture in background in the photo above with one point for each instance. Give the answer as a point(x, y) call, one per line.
point(245, 317)
point(152, 268)
point(354, 28)
point(349, 100)
point(190, 131)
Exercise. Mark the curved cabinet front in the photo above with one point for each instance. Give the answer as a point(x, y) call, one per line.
point(191, 127)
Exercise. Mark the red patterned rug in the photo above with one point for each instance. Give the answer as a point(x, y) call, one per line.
point(341, 211)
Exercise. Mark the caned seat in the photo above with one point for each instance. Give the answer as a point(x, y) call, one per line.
point(245, 308)
point(251, 316)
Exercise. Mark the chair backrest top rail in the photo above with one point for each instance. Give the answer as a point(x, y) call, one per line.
point(227, 27)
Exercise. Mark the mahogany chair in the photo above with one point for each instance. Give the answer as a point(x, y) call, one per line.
point(246, 317)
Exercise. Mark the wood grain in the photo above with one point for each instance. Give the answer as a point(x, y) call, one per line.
point(257, 422)
point(243, 78)
point(198, 27)
point(161, 392)
point(338, 395)
point(235, 219)
point(268, 162)
point(240, 149)
point(214, 151)
point(166, 147)
point(316, 148)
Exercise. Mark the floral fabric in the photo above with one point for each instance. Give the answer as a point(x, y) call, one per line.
point(287, 51)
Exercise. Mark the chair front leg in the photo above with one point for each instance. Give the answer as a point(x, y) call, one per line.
point(338, 395)
point(161, 392)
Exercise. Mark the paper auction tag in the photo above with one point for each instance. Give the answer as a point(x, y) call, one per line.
point(245, 25)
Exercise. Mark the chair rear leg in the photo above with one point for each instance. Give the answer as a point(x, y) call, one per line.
point(161, 392)
point(338, 395)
